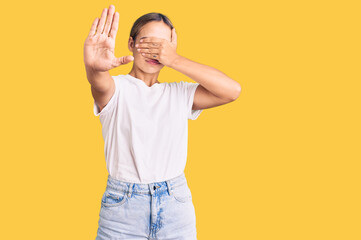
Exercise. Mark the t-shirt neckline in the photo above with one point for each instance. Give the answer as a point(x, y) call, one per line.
point(141, 82)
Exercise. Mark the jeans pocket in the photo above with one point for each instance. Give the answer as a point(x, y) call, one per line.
point(182, 193)
point(113, 199)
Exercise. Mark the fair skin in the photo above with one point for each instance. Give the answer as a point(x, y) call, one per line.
point(155, 41)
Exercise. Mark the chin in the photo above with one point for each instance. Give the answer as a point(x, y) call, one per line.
point(146, 67)
point(150, 70)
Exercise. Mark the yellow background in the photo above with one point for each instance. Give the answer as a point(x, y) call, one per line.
point(281, 162)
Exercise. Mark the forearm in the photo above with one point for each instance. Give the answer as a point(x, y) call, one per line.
point(210, 78)
point(98, 80)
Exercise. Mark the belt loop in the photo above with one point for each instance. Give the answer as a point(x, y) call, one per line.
point(150, 186)
point(130, 189)
point(170, 190)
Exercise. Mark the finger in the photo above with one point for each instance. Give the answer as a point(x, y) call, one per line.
point(93, 27)
point(102, 21)
point(109, 20)
point(174, 36)
point(148, 45)
point(146, 50)
point(122, 60)
point(150, 55)
point(114, 30)
point(151, 39)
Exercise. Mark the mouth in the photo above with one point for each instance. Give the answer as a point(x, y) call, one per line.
point(153, 61)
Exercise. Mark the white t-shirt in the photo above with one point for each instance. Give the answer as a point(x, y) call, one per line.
point(145, 129)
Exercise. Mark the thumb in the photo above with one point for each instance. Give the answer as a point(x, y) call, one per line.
point(123, 60)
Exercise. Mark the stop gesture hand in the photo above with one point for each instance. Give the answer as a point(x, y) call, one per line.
point(100, 43)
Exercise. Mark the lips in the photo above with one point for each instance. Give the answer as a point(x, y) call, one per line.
point(153, 61)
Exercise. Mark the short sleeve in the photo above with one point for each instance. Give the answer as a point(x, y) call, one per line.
point(112, 102)
point(190, 90)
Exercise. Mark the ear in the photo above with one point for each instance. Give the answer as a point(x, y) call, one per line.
point(131, 44)
point(174, 37)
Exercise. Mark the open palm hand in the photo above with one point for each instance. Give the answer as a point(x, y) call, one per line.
point(100, 43)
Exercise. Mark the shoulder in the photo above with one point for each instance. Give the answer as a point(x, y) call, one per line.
point(183, 84)
point(120, 79)
point(187, 87)
point(121, 82)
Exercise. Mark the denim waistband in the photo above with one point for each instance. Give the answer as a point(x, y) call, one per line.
point(145, 188)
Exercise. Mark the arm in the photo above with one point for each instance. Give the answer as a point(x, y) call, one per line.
point(102, 86)
point(215, 88)
point(99, 56)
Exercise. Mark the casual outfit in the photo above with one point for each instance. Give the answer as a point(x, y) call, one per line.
point(145, 132)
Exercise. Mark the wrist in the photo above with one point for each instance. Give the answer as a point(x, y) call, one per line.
point(175, 61)
point(92, 73)
point(89, 69)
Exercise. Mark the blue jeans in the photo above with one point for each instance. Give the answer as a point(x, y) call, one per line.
point(158, 210)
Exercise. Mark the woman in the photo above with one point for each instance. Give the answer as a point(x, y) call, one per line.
point(145, 127)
